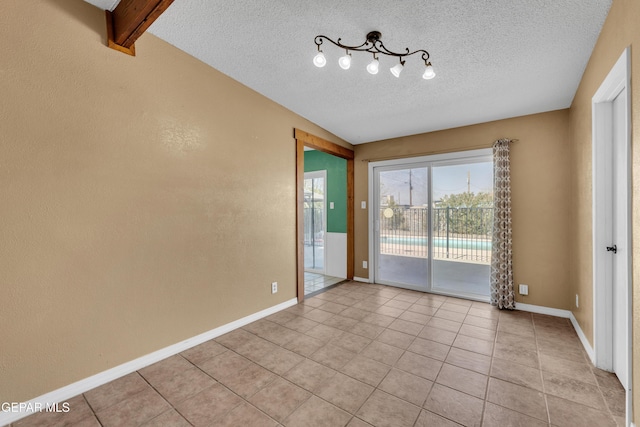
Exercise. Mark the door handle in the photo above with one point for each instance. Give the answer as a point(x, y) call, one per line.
point(613, 249)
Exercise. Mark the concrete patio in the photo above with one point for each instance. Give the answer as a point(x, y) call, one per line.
point(449, 276)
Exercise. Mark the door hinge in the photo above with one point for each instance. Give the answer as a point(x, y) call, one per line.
point(613, 249)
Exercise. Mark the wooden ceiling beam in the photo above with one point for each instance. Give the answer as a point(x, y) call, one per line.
point(130, 19)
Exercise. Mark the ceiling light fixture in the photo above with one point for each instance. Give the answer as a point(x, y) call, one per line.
point(373, 66)
point(319, 60)
point(345, 61)
point(374, 45)
point(397, 69)
point(429, 73)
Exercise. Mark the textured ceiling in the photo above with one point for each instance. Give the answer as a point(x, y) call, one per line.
point(104, 4)
point(494, 59)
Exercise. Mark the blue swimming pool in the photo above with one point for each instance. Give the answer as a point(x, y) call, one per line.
point(458, 243)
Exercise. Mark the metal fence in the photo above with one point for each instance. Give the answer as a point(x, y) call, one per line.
point(462, 234)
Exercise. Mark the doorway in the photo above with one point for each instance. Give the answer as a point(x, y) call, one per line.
point(431, 223)
point(304, 139)
point(325, 217)
point(611, 225)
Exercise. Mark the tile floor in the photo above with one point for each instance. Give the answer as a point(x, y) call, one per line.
point(314, 282)
point(361, 355)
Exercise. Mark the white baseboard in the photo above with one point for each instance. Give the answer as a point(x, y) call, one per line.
point(543, 310)
point(360, 279)
point(561, 313)
point(104, 377)
point(583, 339)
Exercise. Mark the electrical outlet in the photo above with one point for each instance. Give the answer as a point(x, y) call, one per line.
point(274, 287)
point(524, 289)
point(364, 264)
point(577, 301)
point(331, 205)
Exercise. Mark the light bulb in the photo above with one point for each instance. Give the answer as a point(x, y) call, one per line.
point(429, 73)
point(319, 60)
point(345, 62)
point(396, 70)
point(372, 68)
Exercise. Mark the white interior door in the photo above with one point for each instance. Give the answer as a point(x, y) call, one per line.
point(611, 226)
point(620, 217)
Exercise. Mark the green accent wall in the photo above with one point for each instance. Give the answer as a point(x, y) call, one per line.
point(336, 168)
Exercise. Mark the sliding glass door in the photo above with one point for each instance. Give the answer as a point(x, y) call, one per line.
point(315, 214)
point(432, 219)
point(461, 222)
point(403, 226)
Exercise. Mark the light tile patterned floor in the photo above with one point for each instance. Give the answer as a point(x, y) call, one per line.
point(362, 355)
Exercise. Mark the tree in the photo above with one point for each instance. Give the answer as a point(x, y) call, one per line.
point(467, 200)
point(465, 213)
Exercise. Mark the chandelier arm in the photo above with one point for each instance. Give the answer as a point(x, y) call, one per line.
point(320, 39)
point(381, 48)
point(367, 46)
point(425, 54)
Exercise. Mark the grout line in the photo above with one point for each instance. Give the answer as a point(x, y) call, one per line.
point(162, 396)
point(95, 415)
point(93, 411)
point(539, 355)
point(486, 391)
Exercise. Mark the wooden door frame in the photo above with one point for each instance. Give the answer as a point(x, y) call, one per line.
point(305, 139)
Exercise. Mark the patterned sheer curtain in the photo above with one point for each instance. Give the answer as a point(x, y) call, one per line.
point(502, 293)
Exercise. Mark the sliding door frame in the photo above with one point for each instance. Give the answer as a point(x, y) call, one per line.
point(419, 161)
point(374, 219)
point(304, 139)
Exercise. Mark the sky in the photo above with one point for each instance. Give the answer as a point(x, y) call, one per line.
point(450, 179)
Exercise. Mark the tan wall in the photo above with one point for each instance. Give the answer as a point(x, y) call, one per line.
point(142, 200)
point(540, 194)
point(620, 30)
